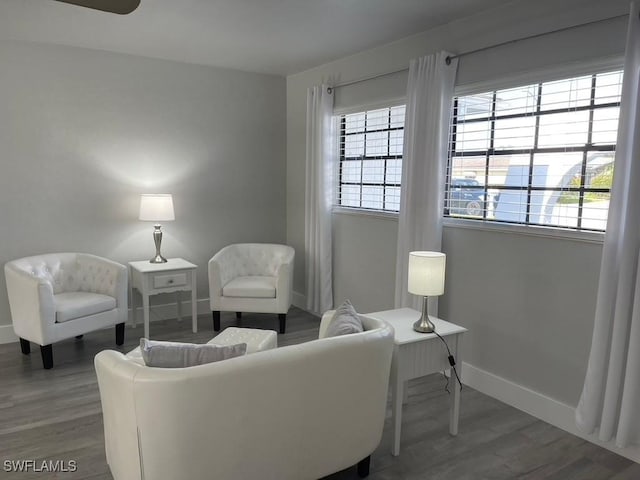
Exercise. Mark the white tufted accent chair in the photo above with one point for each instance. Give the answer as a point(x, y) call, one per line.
point(251, 277)
point(57, 296)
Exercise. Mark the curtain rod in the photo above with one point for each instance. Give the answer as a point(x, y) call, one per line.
point(371, 77)
point(463, 54)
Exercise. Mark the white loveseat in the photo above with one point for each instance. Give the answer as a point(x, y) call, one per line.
point(297, 412)
point(61, 295)
point(251, 277)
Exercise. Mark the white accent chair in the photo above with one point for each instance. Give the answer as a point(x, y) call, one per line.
point(291, 413)
point(251, 277)
point(57, 296)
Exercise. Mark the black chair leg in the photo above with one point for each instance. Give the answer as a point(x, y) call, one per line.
point(120, 333)
point(363, 467)
point(238, 315)
point(216, 320)
point(47, 356)
point(25, 346)
point(78, 337)
point(283, 321)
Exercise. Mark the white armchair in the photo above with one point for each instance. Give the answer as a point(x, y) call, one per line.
point(57, 296)
point(251, 277)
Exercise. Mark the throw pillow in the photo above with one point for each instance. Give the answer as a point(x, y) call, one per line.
point(345, 321)
point(180, 355)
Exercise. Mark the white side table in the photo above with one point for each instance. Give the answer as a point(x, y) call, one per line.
point(176, 275)
point(416, 355)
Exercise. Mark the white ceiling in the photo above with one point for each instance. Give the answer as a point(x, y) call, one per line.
point(268, 36)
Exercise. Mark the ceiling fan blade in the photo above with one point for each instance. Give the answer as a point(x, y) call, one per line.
point(121, 7)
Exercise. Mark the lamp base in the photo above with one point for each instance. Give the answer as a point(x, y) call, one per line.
point(424, 325)
point(157, 239)
point(158, 259)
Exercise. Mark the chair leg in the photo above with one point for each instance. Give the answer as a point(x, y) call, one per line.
point(216, 320)
point(47, 356)
point(283, 321)
point(363, 467)
point(120, 333)
point(79, 336)
point(25, 346)
point(238, 315)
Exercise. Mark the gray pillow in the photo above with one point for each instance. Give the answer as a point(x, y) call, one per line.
point(179, 355)
point(345, 321)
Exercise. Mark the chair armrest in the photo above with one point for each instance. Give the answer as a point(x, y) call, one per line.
point(121, 289)
point(215, 280)
point(284, 283)
point(221, 267)
point(31, 302)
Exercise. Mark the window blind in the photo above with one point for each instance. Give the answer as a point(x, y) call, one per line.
point(539, 154)
point(370, 167)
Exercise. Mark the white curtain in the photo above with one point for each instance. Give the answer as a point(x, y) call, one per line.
point(610, 401)
point(429, 95)
point(321, 157)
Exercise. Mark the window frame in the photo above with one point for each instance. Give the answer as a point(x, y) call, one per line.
point(537, 78)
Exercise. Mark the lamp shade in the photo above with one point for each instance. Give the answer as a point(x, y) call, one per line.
point(426, 273)
point(156, 207)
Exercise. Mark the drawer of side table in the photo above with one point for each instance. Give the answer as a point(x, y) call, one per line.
point(169, 280)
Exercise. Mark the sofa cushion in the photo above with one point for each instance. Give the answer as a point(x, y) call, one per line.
point(72, 305)
point(251, 286)
point(345, 321)
point(180, 355)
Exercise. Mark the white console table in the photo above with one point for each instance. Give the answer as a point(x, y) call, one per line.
point(176, 275)
point(416, 355)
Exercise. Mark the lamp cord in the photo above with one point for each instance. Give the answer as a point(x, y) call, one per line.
point(452, 362)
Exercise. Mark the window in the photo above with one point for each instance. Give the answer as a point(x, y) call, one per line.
point(371, 159)
point(539, 154)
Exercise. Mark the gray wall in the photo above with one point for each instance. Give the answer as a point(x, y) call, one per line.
point(83, 133)
point(527, 300)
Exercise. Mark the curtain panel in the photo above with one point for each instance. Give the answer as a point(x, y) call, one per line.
point(428, 114)
point(320, 163)
point(611, 393)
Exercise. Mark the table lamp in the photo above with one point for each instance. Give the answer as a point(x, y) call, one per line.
point(157, 208)
point(426, 278)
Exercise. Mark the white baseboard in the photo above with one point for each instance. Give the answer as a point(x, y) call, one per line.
point(534, 403)
point(7, 335)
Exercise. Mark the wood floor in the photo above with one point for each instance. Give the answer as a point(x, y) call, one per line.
point(55, 415)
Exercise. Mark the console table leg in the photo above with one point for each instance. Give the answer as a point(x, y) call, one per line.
point(454, 412)
point(145, 309)
point(133, 305)
point(194, 303)
point(179, 305)
point(397, 394)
